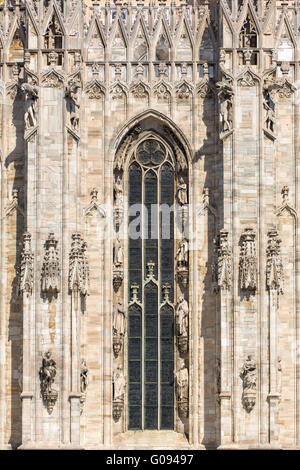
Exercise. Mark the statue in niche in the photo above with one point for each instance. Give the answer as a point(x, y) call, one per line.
point(73, 94)
point(119, 384)
point(248, 375)
point(182, 316)
point(118, 253)
point(182, 253)
point(269, 107)
point(118, 393)
point(182, 388)
point(226, 112)
point(119, 319)
point(48, 371)
point(118, 192)
point(182, 191)
point(47, 375)
point(83, 376)
point(31, 93)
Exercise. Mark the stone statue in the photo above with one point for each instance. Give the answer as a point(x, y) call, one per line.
point(73, 93)
point(182, 382)
point(31, 93)
point(47, 372)
point(182, 192)
point(47, 375)
point(182, 317)
point(182, 253)
point(118, 253)
point(270, 116)
point(119, 384)
point(279, 380)
point(118, 192)
point(83, 376)
point(119, 319)
point(248, 374)
point(226, 114)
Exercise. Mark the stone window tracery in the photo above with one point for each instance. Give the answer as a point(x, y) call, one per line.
point(153, 282)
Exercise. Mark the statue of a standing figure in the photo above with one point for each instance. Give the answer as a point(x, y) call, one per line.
point(73, 93)
point(47, 372)
point(182, 317)
point(182, 253)
point(182, 388)
point(226, 117)
point(118, 253)
point(248, 374)
point(83, 376)
point(119, 384)
point(31, 93)
point(118, 192)
point(47, 375)
point(182, 192)
point(119, 319)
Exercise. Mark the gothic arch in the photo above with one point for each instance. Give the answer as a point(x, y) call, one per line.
point(151, 273)
point(162, 122)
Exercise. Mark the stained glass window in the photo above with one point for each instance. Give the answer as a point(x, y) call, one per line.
point(151, 265)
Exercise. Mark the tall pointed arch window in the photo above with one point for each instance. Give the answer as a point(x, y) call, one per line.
point(151, 185)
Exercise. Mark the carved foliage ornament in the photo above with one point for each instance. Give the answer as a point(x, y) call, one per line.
point(248, 268)
point(26, 268)
point(274, 263)
point(51, 269)
point(78, 266)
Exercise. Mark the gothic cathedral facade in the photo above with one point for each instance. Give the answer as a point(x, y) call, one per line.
point(150, 244)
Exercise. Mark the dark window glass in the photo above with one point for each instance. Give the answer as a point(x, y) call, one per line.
point(150, 331)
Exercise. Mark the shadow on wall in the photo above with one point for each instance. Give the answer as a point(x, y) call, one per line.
point(209, 331)
point(15, 229)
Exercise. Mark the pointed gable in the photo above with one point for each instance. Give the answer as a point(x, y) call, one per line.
point(140, 48)
point(285, 46)
point(95, 43)
point(207, 44)
point(184, 45)
point(16, 48)
point(118, 46)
